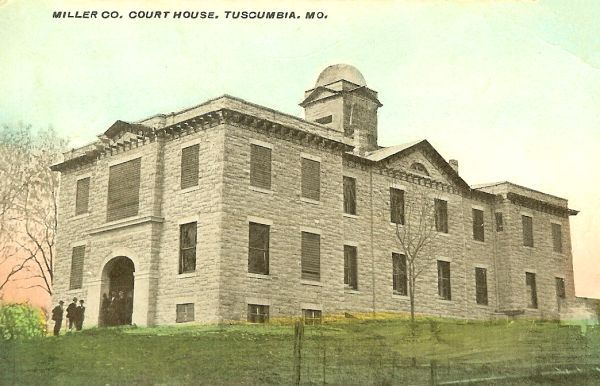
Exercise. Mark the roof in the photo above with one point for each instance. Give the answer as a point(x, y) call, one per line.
point(386, 152)
point(337, 72)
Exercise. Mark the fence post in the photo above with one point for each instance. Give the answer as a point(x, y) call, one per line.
point(298, 335)
point(433, 366)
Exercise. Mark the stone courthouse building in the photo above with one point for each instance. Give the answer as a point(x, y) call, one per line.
point(233, 211)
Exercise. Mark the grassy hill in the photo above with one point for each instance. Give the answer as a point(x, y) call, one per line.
point(344, 351)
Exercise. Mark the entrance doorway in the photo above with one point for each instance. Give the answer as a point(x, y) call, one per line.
point(116, 305)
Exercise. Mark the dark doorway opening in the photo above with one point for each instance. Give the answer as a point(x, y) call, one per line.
point(117, 302)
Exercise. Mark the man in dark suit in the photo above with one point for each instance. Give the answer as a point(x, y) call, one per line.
point(57, 316)
point(72, 313)
point(80, 314)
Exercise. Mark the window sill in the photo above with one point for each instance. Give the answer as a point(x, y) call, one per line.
point(350, 215)
point(260, 190)
point(187, 275)
point(348, 290)
point(445, 234)
point(400, 296)
point(258, 276)
point(478, 242)
point(482, 305)
point(444, 299)
point(311, 282)
point(190, 189)
point(125, 222)
point(396, 224)
point(310, 201)
point(528, 247)
point(79, 216)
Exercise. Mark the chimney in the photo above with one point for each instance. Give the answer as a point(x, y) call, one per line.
point(454, 164)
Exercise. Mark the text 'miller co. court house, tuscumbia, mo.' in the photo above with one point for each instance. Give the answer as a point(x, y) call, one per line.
point(233, 211)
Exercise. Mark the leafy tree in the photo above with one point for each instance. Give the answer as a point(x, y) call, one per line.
point(21, 321)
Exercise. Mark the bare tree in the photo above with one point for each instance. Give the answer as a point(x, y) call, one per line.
point(28, 206)
point(414, 236)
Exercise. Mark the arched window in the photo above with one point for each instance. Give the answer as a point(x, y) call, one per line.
point(419, 168)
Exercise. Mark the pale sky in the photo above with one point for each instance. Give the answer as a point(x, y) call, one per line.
point(509, 88)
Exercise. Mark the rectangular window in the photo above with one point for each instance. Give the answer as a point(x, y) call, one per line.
point(189, 166)
point(557, 238)
point(311, 179)
point(441, 215)
point(258, 248)
point(349, 195)
point(312, 317)
point(311, 256)
point(527, 231)
point(185, 313)
point(560, 288)
point(397, 206)
point(531, 290)
point(187, 247)
point(123, 190)
point(82, 196)
point(478, 227)
point(350, 267)
point(481, 292)
point(444, 280)
point(260, 166)
point(499, 222)
point(77, 257)
point(258, 313)
point(399, 274)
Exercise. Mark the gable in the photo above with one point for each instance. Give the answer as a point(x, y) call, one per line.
point(318, 93)
point(432, 164)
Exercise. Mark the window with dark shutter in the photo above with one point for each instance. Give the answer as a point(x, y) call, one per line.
point(399, 274)
point(527, 231)
point(441, 215)
point(325, 120)
point(258, 248)
point(560, 288)
point(189, 166)
point(349, 195)
point(185, 313)
point(311, 256)
point(557, 238)
point(478, 226)
point(312, 317)
point(481, 292)
point(350, 267)
point(258, 313)
point(444, 289)
point(311, 179)
point(77, 257)
point(499, 222)
point(82, 196)
point(397, 206)
point(531, 290)
point(187, 247)
point(123, 190)
point(260, 166)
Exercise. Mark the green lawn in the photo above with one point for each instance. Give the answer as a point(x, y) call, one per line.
point(339, 352)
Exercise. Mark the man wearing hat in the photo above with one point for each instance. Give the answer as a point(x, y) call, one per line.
point(72, 314)
point(57, 316)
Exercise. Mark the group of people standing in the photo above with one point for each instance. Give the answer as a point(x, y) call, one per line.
point(116, 310)
point(75, 316)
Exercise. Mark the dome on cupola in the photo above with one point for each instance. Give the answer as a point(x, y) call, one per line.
point(338, 72)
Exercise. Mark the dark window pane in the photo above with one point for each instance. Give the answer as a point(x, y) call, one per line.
point(527, 231)
point(444, 280)
point(77, 257)
point(311, 179)
point(189, 166)
point(311, 256)
point(123, 190)
point(397, 206)
point(258, 313)
point(185, 313)
point(531, 290)
point(557, 238)
point(258, 248)
point(349, 195)
point(481, 286)
point(499, 222)
point(260, 166)
point(350, 267)
point(399, 274)
point(478, 226)
point(560, 287)
point(82, 196)
point(187, 247)
point(441, 215)
point(312, 317)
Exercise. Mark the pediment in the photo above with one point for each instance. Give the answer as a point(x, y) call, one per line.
point(318, 93)
point(422, 159)
point(120, 128)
